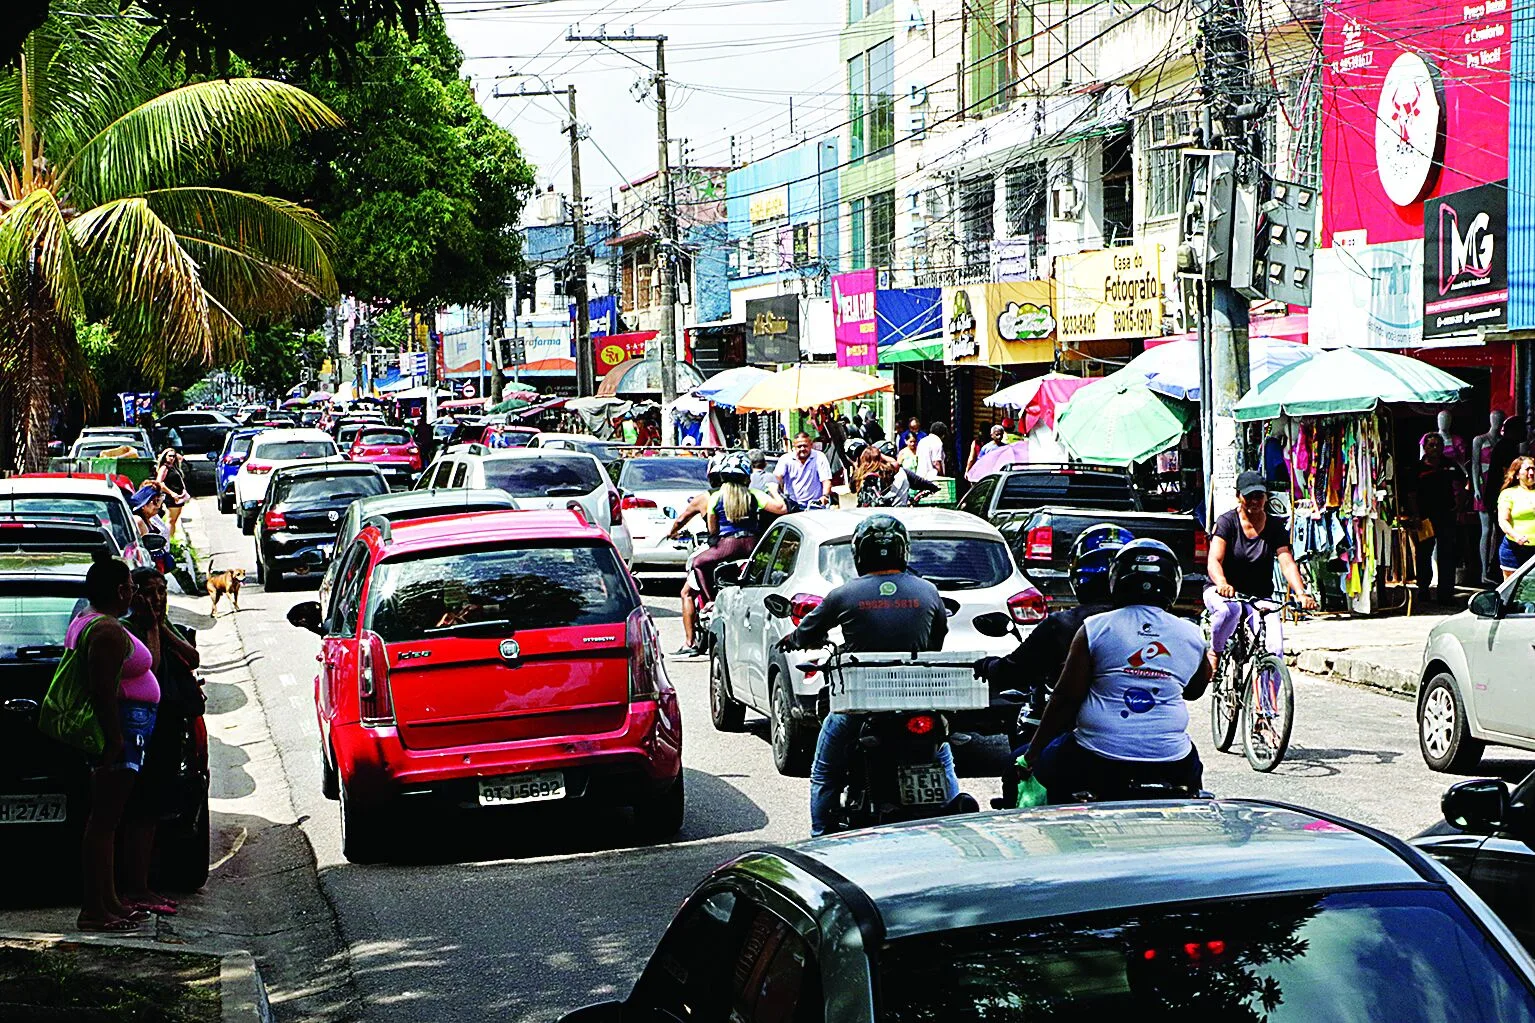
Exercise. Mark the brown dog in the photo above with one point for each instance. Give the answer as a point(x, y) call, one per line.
point(228, 581)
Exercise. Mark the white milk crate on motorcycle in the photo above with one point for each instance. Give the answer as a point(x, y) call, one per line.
point(868, 683)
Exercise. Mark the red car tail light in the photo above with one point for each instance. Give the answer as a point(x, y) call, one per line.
point(1027, 607)
point(275, 520)
point(802, 604)
point(1201, 546)
point(257, 468)
point(636, 502)
point(920, 724)
point(375, 705)
point(642, 666)
point(615, 508)
point(1039, 544)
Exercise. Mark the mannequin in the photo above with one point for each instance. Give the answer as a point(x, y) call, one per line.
point(1455, 449)
point(1484, 489)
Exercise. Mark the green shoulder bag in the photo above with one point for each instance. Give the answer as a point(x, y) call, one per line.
point(67, 713)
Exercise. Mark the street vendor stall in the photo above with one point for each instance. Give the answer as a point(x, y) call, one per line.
point(1327, 438)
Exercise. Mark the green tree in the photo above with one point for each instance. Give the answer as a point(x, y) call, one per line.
point(106, 214)
point(276, 357)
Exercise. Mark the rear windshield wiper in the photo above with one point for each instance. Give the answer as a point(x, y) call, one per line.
point(943, 582)
point(34, 653)
point(564, 490)
point(448, 630)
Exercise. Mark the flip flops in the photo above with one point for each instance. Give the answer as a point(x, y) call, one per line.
point(159, 906)
point(116, 925)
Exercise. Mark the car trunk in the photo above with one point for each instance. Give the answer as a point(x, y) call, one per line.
point(645, 523)
point(460, 691)
point(313, 516)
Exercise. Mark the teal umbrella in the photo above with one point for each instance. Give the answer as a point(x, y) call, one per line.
point(1119, 420)
point(912, 349)
point(1342, 380)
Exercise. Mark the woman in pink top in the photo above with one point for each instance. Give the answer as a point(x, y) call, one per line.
point(126, 695)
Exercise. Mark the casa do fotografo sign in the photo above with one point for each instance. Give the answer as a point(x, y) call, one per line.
point(1111, 293)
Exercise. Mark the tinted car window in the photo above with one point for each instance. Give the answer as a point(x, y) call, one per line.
point(346, 434)
point(28, 620)
point(95, 447)
point(108, 513)
point(294, 449)
point(664, 473)
point(329, 486)
point(1402, 955)
point(949, 563)
point(241, 445)
point(498, 591)
point(390, 436)
point(543, 477)
point(1076, 489)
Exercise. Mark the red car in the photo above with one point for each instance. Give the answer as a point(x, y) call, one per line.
point(487, 660)
point(392, 449)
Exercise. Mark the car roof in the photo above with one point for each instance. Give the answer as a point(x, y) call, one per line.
point(282, 434)
point(327, 467)
point(47, 567)
point(476, 527)
point(838, 523)
point(989, 868)
point(62, 485)
point(441, 502)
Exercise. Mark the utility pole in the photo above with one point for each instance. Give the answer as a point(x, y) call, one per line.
point(497, 328)
point(666, 244)
point(586, 365)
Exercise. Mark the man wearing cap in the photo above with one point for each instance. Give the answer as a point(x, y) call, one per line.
point(1247, 542)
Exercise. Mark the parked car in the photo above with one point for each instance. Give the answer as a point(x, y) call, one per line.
point(490, 660)
point(1041, 508)
point(391, 448)
point(237, 448)
point(296, 527)
point(345, 427)
point(94, 496)
point(94, 445)
point(536, 478)
point(606, 451)
point(654, 491)
point(138, 433)
point(1475, 687)
point(1229, 910)
point(274, 449)
point(196, 435)
point(803, 557)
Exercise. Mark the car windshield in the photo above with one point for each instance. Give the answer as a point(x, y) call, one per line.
point(664, 474)
point(498, 591)
point(549, 476)
point(1400, 955)
point(281, 450)
point(390, 436)
point(106, 512)
point(948, 562)
point(328, 487)
point(33, 625)
point(241, 445)
point(96, 445)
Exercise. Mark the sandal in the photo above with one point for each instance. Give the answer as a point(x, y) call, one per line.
point(116, 925)
point(158, 907)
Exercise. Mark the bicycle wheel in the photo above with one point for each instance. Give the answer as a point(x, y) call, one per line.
point(1268, 713)
point(1225, 704)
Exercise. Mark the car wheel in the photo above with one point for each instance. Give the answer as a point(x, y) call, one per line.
point(330, 780)
point(362, 831)
point(660, 818)
point(1444, 735)
point(792, 746)
point(226, 504)
point(247, 525)
point(726, 712)
point(183, 853)
point(260, 570)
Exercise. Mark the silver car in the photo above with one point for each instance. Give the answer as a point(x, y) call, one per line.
point(655, 490)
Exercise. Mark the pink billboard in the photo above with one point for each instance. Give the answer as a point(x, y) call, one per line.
point(1414, 105)
point(852, 312)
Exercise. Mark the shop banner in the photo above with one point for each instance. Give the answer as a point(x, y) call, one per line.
point(905, 313)
point(853, 322)
point(620, 348)
point(1465, 261)
point(773, 330)
point(999, 324)
point(1369, 296)
point(1111, 293)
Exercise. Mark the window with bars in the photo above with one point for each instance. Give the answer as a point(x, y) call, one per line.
point(857, 235)
point(976, 198)
point(627, 286)
point(881, 229)
point(1164, 136)
point(1027, 202)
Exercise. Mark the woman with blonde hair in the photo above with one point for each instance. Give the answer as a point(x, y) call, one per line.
point(1516, 515)
point(171, 478)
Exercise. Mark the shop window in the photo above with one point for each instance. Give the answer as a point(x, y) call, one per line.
point(1164, 137)
point(859, 233)
point(881, 229)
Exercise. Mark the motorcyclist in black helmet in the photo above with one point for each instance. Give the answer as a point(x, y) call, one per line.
point(1119, 711)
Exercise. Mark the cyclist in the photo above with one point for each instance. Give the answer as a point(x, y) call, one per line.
point(1243, 550)
point(1119, 711)
point(884, 607)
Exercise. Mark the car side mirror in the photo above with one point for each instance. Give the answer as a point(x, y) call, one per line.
point(777, 604)
point(602, 1012)
point(1479, 806)
point(1486, 604)
point(212, 456)
point(993, 623)
point(305, 616)
point(950, 606)
point(729, 575)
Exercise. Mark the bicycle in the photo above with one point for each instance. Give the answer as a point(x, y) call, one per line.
point(1252, 687)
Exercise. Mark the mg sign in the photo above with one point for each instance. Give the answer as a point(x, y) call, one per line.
point(1465, 272)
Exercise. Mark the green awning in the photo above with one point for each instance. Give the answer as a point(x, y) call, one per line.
point(1338, 381)
point(912, 349)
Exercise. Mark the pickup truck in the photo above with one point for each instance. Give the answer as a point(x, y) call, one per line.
point(1041, 508)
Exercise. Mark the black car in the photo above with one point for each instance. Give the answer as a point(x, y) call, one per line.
point(296, 527)
point(196, 434)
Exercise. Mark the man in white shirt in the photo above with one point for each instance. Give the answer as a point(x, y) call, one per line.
point(804, 475)
point(930, 452)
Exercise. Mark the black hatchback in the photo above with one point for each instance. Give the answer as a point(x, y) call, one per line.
point(296, 530)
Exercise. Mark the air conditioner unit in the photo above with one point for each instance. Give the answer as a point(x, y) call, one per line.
point(1065, 203)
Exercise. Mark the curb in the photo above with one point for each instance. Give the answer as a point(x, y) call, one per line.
point(1340, 666)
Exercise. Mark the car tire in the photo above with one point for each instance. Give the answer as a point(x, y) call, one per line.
point(330, 779)
point(661, 818)
point(247, 525)
point(362, 830)
point(793, 746)
point(1444, 732)
point(183, 850)
point(726, 712)
point(260, 570)
point(226, 504)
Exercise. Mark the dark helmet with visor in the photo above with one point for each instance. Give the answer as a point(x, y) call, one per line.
point(1092, 553)
point(1145, 571)
point(880, 543)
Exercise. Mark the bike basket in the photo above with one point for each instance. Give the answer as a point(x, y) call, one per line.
point(939, 680)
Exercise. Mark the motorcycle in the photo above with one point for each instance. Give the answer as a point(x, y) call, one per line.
point(893, 771)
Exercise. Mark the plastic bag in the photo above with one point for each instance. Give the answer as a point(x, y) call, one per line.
point(67, 713)
point(1030, 792)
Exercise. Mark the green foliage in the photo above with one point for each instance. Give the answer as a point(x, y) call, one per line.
point(391, 330)
point(276, 357)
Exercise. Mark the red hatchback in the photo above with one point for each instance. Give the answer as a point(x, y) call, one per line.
point(392, 449)
point(487, 660)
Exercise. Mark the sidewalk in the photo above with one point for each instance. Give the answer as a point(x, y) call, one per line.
point(1383, 652)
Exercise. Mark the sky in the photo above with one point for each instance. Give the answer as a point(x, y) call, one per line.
point(732, 66)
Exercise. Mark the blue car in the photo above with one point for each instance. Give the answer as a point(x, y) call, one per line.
point(1174, 911)
point(237, 448)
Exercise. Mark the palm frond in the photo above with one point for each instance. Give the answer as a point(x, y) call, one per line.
point(37, 260)
point(188, 134)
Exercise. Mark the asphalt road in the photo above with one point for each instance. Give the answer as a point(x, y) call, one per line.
point(526, 915)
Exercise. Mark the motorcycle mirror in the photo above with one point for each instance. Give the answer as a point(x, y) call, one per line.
point(777, 605)
point(1013, 695)
point(305, 616)
point(951, 606)
point(669, 512)
point(993, 624)
point(154, 543)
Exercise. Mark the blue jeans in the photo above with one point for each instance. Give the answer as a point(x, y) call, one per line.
point(828, 773)
point(1065, 769)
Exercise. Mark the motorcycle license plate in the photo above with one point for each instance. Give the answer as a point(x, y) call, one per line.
point(920, 785)
point(42, 809)
point(522, 788)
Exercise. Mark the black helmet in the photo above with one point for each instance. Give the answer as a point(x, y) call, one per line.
point(1145, 571)
point(853, 448)
point(886, 448)
point(880, 543)
point(1091, 555)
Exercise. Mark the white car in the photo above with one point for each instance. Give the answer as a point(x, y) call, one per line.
point(92, 445)
point(605, 450)
point(803, 557)
point(536, 479)
point(654, 491)
point(272, 450)
point(137, 433)
point(1478, 677)
point(75, 496)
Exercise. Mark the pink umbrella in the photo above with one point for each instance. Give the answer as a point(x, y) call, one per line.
point(1038, 397)
point(1008, 454)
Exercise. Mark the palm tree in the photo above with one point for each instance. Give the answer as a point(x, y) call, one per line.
point(107, 214)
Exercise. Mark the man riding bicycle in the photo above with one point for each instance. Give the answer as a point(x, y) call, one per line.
point(1246, 543)
point(886, 608)
point(1119, 712)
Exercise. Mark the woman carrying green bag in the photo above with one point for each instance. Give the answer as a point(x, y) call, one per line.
point(125, 695)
